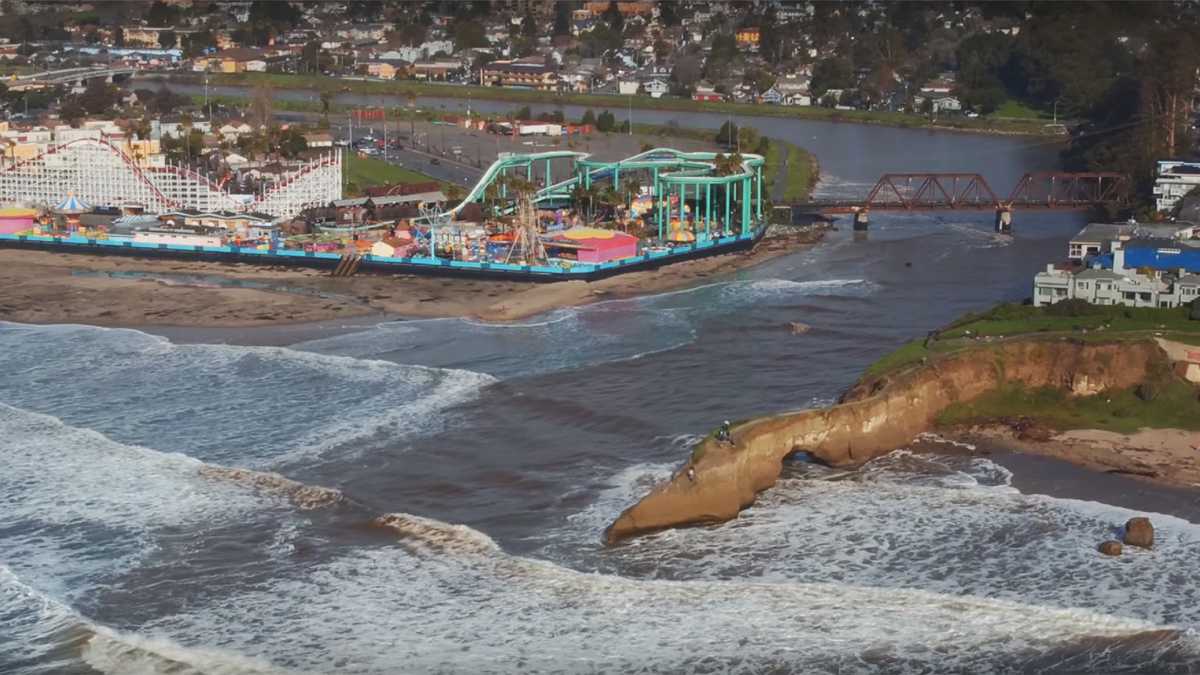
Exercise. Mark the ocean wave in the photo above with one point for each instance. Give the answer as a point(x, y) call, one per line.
point(123, 653)
point(953, 525)
point(247, 406)
point(82, 510)
point(447, 600)
point(43, 635)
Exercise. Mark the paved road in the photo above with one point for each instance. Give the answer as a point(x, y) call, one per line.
point(447, 169)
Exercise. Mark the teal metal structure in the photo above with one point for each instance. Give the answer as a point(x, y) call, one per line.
point(730, 200)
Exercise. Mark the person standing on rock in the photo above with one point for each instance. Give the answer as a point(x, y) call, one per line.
point(723, 432)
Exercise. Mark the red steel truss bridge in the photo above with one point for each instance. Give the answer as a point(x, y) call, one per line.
point(970, 191)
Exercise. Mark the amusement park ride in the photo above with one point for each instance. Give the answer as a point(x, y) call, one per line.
point(684, 205)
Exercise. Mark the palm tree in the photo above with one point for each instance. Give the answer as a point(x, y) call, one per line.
point(611, 198)
point(631, 188)
point(579, 195)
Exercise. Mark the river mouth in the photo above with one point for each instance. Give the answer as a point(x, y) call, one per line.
point(504, 450)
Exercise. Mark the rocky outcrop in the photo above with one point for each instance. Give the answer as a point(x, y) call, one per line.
point(1111, 547)
point(1139, 532)
point(876, 416)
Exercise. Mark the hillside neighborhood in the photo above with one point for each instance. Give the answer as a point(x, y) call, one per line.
point(786, 52)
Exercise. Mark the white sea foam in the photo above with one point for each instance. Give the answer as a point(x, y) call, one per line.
point(247, 406)
point(122, 653)
point(43, 635)
point(463, 607)
point(930, 437)
point(951, 525)
point(87, 504)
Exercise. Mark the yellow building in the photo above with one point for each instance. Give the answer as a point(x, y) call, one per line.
point(519, 75)
point(748, 36)
point(233, 60)
point(625, 8)
point(381, 69)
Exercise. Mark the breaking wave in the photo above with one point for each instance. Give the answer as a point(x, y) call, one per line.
point(448, 600)
point(757, 595)
point(248, 406)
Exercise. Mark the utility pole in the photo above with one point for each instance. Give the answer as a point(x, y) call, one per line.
point(630, 115)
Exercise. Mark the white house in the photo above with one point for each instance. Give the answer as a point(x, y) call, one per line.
point(772, 96)
point(233, 130)
point(236, 161)
point(1175, 179)
point(794, 91)
point(628, 87)
point(946, 103)
point(656, 87)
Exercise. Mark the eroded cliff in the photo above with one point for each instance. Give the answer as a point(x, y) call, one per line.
point(874, 417)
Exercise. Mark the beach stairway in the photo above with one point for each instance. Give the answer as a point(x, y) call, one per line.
point(347, 266)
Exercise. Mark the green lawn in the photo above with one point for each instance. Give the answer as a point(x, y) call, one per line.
point(800, 176)
point(1104, 321)
point(363, 172)
point(906, 354)
point(1176, 406)
point(1094, 323)
point(1016, 110)
point(614, 102)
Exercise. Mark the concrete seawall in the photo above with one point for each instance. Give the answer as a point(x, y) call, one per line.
point(875, 417)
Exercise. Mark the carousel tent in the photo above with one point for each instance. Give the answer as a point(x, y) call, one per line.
point(72, 205)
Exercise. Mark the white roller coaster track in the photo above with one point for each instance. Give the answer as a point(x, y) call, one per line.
point(100, 173)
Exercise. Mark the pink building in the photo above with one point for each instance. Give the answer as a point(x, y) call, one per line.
point(16, 220)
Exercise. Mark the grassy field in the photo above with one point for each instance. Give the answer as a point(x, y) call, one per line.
point(801, 175)
point(1100, 321)
point(360, 172)
point(1094, 323)
point(1016, 110)
point(600, 102)
point(1176, 406)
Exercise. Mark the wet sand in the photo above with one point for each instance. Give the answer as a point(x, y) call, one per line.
point(1164, 456)
point(1042, 472)
point(44, 287)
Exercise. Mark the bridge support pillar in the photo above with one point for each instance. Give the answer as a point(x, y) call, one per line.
point(1004, 220)
point(862, 219)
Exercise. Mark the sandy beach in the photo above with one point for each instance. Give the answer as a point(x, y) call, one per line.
point(46, 287)
point(1170, 456)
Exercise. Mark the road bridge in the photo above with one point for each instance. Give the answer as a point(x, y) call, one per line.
point(1042, 190)
point(69, 77)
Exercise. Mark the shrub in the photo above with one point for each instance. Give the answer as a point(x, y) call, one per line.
point(1158, 378)
point(1072, 307)
point(1194, 314)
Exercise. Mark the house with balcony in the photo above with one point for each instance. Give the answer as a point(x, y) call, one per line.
point(519, 75)
point(1174, 179)
point(1138, 272)
point(437, 69)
